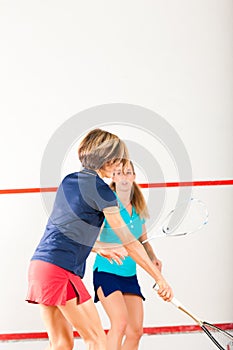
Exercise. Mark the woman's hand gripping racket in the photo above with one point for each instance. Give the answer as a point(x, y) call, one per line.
point(186, 218)
point(219, 337)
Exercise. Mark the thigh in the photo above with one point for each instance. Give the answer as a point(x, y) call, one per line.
point(134, 305)
point(114, 305)
point(83, 317)
point(58, 328)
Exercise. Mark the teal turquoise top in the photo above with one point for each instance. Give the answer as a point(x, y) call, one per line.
point(134, 223)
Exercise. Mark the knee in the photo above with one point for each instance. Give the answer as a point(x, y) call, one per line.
point(140, 332)
point(119, 327)
point(135, 333)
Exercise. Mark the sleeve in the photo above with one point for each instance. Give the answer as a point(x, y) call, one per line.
point(106, 197)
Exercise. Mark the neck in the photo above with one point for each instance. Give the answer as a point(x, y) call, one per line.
point(124, 197)
point(99, 173)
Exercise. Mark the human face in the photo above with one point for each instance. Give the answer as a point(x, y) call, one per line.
point(123, 178)
point(108, 169)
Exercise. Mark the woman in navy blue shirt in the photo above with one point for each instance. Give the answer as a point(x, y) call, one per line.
point(58, 264)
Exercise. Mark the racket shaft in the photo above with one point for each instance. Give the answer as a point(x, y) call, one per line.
point(219, 337)
point(178, 304)
point(223, 337)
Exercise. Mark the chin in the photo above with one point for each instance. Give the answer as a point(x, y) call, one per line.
point(108, 175)
point(125, 188)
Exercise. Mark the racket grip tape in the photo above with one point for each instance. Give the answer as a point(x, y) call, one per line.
point(176, 302)
point(156, 287)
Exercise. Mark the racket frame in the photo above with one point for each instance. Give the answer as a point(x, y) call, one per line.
point(165, 233)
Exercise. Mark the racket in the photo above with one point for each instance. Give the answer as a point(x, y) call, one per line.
point(188, 217)
point(222, 339)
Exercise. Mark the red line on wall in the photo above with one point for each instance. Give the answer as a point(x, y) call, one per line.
point(146, 330)
point(143, 185)
point(28, 190)
point(189, 183)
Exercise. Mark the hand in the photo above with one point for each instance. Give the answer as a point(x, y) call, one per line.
point(164, 290)
point(113, 255)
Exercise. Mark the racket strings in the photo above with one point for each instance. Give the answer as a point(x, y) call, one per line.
point(222, 339)
point(186, 219)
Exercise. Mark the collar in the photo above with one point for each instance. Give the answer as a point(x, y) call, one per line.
point(121, 206)
point(89, 172)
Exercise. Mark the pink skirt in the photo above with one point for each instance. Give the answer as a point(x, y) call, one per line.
point(49, 284)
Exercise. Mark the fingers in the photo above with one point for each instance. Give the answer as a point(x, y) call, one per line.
point(121, 252)
point(166, 294)
point(116, 256)
point(116, 259)
point(119, 255)
point(164, 291)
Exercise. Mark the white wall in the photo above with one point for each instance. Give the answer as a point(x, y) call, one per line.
point(59, 58)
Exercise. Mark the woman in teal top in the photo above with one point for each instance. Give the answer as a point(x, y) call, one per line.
point(116, 286)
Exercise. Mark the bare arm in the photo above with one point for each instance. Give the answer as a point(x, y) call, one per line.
point(137, 251)
point(111, 251)
point(149, 250)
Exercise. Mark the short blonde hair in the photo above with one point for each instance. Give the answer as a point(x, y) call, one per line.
point(100, 147)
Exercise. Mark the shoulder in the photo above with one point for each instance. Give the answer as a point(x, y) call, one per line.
point(70, 177)
point(68, 181)
point(104, 190)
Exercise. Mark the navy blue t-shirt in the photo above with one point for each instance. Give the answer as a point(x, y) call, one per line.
point(75, 221)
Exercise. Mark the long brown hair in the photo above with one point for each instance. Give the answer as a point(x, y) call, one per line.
point(137, 198)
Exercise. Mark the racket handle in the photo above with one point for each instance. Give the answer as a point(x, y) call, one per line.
point(156, 287)
point(178, 304)
point(174, 301)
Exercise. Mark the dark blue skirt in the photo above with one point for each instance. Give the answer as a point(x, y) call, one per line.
point(110, 283)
